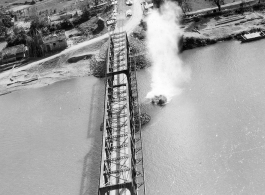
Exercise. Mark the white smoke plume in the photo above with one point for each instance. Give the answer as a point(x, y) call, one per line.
point(163, 35)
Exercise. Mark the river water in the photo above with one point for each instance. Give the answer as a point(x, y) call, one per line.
point(208, 140)
point(50, 139)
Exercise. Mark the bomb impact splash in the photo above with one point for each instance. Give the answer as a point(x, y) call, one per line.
point(163, 36)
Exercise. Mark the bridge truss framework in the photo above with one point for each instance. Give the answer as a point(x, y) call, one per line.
point(122, 170)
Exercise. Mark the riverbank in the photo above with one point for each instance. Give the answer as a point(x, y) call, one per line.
point(69, 65)
point(209, 30)
point(202, 30)
point(85, 61)
point(90, 60)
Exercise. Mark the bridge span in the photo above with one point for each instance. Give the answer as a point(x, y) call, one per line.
point(122, 170)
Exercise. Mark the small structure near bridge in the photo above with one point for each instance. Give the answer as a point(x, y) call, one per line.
point(11, 54)
point(55, 42)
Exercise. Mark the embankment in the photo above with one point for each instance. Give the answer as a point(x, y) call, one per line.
point(194, 42)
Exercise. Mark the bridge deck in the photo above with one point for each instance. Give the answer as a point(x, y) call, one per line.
point(117, 53)
point(116, 163)
point(122, 161)
point(117, 156)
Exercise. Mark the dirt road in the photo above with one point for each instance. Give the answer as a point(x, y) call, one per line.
point(129, 26)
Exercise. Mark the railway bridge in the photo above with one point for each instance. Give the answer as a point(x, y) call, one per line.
point(122, 170)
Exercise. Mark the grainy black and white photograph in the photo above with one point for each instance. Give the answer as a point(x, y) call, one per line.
point(132, 97)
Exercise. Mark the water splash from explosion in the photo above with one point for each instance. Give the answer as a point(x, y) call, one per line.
point(163, 36)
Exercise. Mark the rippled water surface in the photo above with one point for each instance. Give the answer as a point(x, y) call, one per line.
point(211, 138)
point(50, 139)
point(208, 140)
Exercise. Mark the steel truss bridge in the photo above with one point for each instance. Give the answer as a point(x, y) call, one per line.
point(121, 171)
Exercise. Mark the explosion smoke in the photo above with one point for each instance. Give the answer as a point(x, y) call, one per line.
point(163, 36)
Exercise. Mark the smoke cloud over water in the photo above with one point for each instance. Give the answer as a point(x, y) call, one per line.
point(163, 35)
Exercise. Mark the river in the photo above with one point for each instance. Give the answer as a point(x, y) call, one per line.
point(50, 139)
point(208, 140)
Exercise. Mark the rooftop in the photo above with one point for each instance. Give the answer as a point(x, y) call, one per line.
point(57, 36)
point(19, 7)
point(13, 50)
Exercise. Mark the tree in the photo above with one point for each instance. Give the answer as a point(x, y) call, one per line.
point(100, 26)
point(17, 36)
point(36, 46)
point(37, 23)
point(85, 14)
point(218, 3)
point(7, 21)
point(67, 24)
point(3, 29)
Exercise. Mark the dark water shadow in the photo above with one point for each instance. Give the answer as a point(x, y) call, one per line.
point(91, 168)
point(96, 108)
point(91, 164)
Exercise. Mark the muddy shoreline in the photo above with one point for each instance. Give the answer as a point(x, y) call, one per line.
point(194, 42)
point(72, 66)
point(87, 61)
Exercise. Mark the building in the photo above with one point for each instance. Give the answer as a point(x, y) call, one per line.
point(23, 12)
point(11, 54)
point(65, 16)
point(55, 42)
